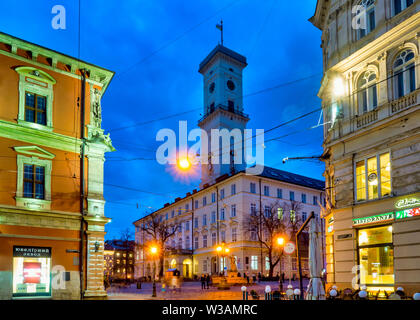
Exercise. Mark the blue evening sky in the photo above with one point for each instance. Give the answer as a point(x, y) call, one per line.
point(155, 47)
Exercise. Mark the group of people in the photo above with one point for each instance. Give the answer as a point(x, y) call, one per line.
point(205, 281)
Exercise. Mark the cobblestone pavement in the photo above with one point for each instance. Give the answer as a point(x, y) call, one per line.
point(192, 291)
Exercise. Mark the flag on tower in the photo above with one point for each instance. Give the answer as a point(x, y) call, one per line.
point(219, 26)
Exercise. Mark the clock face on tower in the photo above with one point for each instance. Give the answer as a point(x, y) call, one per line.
point(231, 85)
point(211, 87)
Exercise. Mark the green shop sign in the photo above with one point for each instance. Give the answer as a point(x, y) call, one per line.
point(407, 202)
point(407, 213)
point(373, 219)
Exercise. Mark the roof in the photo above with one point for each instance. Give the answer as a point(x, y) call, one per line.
point(268, 172)
point(226, 51)
point(119, 245)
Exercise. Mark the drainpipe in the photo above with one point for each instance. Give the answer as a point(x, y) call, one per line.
point(82, 184)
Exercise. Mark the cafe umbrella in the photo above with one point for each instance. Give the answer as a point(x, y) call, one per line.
point(315, 287)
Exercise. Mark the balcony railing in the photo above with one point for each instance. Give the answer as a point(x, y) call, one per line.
point(367, 118)
point(404, 102)
point(225, 108)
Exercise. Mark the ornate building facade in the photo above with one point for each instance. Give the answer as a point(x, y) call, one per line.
point(219, 213)
point(51, 202)
point(370, 95)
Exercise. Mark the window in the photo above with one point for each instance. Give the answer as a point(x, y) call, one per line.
point(315, 200)
point(254, 234)
point(204, 201)
point(222, 193)
point(179, 211)
point(231, 105)
point(172, 213)
point(187, 207)
point(204, 220)
point(233, 210)
point(404, 73)
point(253, 209)
point(254, 262)
point(303, 198)
point(234, 235)
point(291, 195)
point(35, 108)
point(187, 242)
point(279, 193)
point(195, 222)
point(222, 214)
point(187, 226)
point(367, 96)
point(373, 177)
point(376, 255)
point(233, 189)
point(292, 216)
point(267, 211)
point(213, 197)
point(204, 265)
point(213, 239)
point(180, 243)
point(213, 217)
point(166, 216)
point(223, 235)
point(252, 187)
point(196, 243)
point(400, 5)
point(369, 18)
point(205, 241)
point(267, 263)
point(280, 212)
point(304, 216)
point(35, 98)
point(195, 204)
point(33, 181)
point(267, 191)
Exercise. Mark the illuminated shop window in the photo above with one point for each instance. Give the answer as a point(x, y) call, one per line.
point(373, 177)
point(254, 262)
point(376, 256)
point(31, 271)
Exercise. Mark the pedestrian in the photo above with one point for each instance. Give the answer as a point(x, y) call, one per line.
point(203, 281)
point(208, 281)
point(247, 279)
point(259, 277)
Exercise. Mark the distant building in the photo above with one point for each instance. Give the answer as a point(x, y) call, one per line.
point(219, 212)
point(371, 106)
point(119, 259)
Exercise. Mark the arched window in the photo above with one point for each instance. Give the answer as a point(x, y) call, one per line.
point(404, 73)
point(367, 95)
point(368, 19)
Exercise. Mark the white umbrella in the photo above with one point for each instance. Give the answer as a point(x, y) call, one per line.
point(315, 287)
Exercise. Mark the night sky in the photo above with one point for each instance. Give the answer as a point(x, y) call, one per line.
point(155, 47)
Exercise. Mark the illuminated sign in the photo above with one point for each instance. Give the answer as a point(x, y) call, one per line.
point(407, 213)
point(31, 272)
point(31, 252)
point(407, 202)
point(374, 219)
point(330, 229)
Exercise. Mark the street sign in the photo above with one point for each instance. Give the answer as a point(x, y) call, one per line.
point(289, 248)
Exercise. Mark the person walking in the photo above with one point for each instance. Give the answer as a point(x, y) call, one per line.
point(208, 281)
point(203, 281)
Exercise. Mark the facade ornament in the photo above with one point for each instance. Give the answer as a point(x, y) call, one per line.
point(96, 109)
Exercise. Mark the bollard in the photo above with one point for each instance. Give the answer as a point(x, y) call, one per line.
point(267, 293)
point(244, 293)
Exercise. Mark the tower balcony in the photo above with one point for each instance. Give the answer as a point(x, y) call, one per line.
point(221, 107)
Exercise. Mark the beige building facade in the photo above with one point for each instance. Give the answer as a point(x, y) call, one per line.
point(370, 95)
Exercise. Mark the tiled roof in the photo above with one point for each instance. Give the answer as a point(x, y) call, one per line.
point(224, 50)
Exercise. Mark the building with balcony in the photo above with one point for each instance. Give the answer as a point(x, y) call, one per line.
point(219, 212)
point(370, 96)
point(51, 173)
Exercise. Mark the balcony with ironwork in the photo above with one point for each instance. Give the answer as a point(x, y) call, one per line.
point(231, 109)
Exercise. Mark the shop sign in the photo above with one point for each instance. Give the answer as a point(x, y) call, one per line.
point(374, 219)
point(31, 252)
point(407, 202)
point(407, 213)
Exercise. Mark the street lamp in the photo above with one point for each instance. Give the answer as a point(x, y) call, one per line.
point(280, 243)
point(222, 251)
point(153, 251)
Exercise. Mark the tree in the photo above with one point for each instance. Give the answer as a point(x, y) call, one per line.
point(159, 232)
point(265, 227)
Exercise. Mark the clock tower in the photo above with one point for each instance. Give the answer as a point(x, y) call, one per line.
point(223, 109)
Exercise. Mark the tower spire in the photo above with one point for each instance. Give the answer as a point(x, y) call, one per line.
point(220, 27)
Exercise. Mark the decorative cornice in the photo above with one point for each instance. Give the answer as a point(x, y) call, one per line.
point(31, 150)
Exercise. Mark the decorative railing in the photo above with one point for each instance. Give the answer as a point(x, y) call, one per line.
point(222, 107)
point(404, 102)
point(367, 118)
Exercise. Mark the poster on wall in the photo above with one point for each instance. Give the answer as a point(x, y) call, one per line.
point(31, 271)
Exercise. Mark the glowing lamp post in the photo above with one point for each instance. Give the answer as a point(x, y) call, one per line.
point(223, 252)
point(154, 251)
point(280, 243)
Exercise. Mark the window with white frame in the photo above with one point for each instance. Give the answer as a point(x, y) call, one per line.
point(187, 242)
point(35, 98)
point(373, 177)
point(280, 212)
point(279, 193)
point(204, 265)
point(253, 209)
point(267, 191)
point(222, 193)
point(205, 241)
point(254, 262)
point(304, 216)
point(195, 222)
point(213, 239)
point(204, 219)
point(213, 217)
point(367, 96)
point(400, 5)
point(195, 204)
point(223, 235)
point(254, 234)
point(195, 242)
point(252, 187)
point(222, 214)
point(315, 200)
point(204, 201)
point(303, 198)
point(267, 211)
point(213, 197)
point(234, 235)
point(233, 210)
point(368, 18)
point(187, 226)
point(404, 73)
point(292, 195)
point(267, 263)
point(233, 189)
